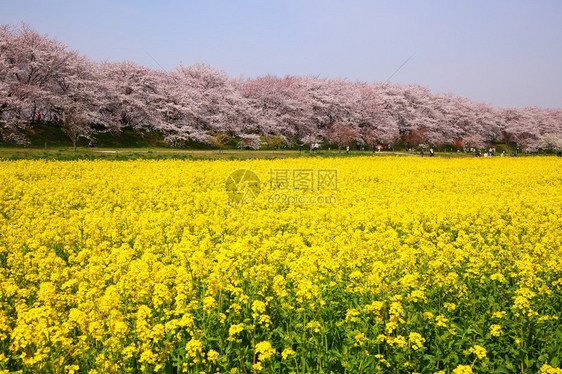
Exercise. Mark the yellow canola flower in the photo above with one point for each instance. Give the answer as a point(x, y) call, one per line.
point(234, 330)
point(193, 348)
point(479, 351)
point(495, 330)
point(498, 315)
point(547, 369)
point(416, 340)
point(360, 339)
point(314, 326)
point(264, 350)
point(109, 265)
point(287, 352)
point(463, 369)
point(212, 355)
point(440, 320)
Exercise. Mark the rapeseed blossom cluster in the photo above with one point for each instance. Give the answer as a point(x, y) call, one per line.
point(420, 265)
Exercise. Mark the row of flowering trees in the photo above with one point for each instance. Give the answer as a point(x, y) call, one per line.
point(41, 79)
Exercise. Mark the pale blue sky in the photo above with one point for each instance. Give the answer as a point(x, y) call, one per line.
point(506, 53)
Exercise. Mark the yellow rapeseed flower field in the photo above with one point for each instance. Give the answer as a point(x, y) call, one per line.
point(410, 265)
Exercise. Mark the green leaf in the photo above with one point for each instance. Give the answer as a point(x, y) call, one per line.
point(501, 369)
point(430, 358)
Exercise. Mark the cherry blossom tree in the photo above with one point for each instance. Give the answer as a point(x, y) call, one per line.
point(474, 141)
point(280, 106)
point(341, 135)
point(249, 141)
point(200, 99)
point(218, 139)
point(132, 95)
point(312, 140)
point(273, 141)
point(548, 143)
point(30, 64)
point(75, 124)
point(42, 80)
